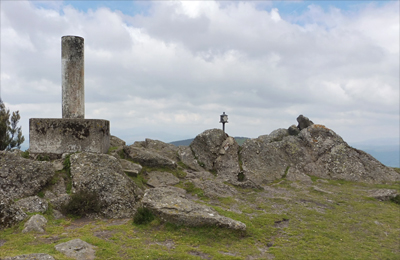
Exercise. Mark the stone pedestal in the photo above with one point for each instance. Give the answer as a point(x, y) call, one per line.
point(52, 136)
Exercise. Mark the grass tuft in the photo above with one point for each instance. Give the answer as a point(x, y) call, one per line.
point(143, 216)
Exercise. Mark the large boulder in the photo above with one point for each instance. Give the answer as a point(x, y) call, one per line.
point(32, 204)
point(186, 156)
point(132, 169)
point(227, 162)
point(316, 151)
point(268, 157)
point(10, 213)
point(164, 149)
point(173, 207)
point(333, 158)
point(21, 177)
point(148, 157)
point(115, 141)
point(206, 147)
point(102, 174)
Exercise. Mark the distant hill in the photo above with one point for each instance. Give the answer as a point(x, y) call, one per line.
point(187, 142)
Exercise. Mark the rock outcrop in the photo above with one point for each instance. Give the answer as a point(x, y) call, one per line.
point(173, 207)
point(115, 141)
point(206, 147)
point(316, 151)
point(102, 174)
point(21, 177)
point(10, 213)
point(32, 204)
point(148, 157)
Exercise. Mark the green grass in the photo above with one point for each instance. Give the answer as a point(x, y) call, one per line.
point(346, 224)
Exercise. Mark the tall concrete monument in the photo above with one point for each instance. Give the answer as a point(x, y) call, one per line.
point(72, 76)
point(72, 132)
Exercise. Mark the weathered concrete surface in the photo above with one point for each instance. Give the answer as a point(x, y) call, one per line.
point(58, 136)
point(72, 76)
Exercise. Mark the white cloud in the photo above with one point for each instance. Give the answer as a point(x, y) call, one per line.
point(172, 72)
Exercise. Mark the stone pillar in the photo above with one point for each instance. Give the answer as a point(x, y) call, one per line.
point(72, 74)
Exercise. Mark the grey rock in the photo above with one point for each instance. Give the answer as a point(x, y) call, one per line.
point(293, 130)
point(333, 158)
point(163, 149)
point(265, 159)
point(48, 195)
point(175, 208)
point(33, 204)
point(10, 213)
point(316, 151)
point(206, 147)
point(202, 175)
point(131, 168)
point(148, 157)
point(58, 164)
point(383, 194)
point(59, 201)
point(294, 174)
point(59, 188)
point(35, 224)
point(227, 162)
point(57, 214)
point(304, 122)
point(31, 257)
point(186, 156)
point(77, 249)
point(103, 175)
point(21, 177)
point(161, 179)
point(215, 188)
point(115, 141)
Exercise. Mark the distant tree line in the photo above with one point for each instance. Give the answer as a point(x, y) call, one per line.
point(10, 135)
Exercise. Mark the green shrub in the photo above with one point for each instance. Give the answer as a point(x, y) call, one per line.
point(67, 164)
point(81, 204)
point(143, 216)
point(43, 158)
point(241, 176)
point(25, 154)
point(396, 199)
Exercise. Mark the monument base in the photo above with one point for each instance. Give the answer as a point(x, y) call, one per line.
point(54, 136)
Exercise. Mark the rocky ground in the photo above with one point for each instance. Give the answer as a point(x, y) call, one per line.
point(297, 193)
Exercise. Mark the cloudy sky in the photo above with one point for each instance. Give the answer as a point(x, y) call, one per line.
point(166, 70)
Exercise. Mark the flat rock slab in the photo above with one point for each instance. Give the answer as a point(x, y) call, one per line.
point(77, 249)
point(383, 194)
point(31, 257)
point(35, 224)
point(173, 207)
point(162, 179)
